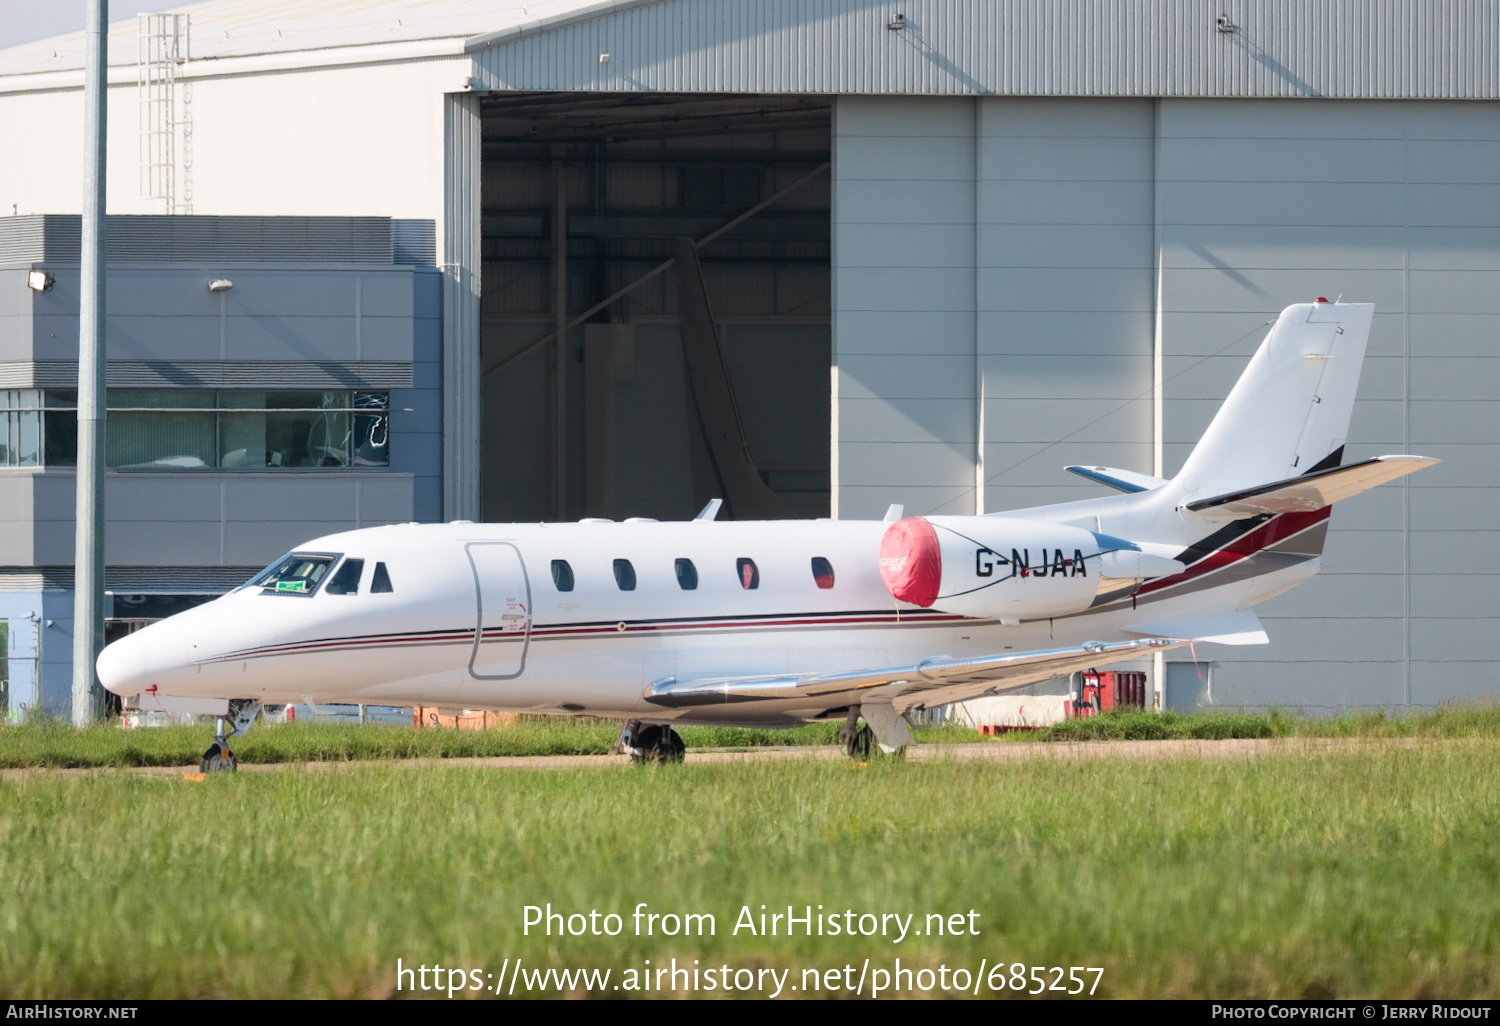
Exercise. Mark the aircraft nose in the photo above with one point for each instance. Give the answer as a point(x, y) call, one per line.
point(139, 660)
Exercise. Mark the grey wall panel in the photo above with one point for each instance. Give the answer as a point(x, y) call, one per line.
point(383, 498)
point(931, 465)
point(16, 505)
point(928, 288)
point(16, 299)
point(162, 543)
point(936, 377)
point(1462, 595)
point(1445, 508)
point(1352, 594)
point(1105, 333)
point(1442, 683)
point(154, 498)
point(1043, 202)
point(894, 332)
point(1450, 552)
point(259, 542)
point(1475, 421)
point(280, 338)
point(889, 419)
point(1366, 48)
point(1316, 686)
point(1450, 639)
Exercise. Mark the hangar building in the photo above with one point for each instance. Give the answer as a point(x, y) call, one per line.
point(984, 240)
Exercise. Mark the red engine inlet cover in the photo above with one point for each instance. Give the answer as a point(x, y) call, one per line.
point(911, 564)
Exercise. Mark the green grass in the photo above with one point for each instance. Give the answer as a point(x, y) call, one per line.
point(57, 744)
point(1371, 871)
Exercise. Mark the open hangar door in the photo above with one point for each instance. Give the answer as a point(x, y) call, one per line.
point(705, 378)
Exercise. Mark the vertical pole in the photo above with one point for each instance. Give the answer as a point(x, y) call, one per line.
point(1158, 366)
point(88, 554)
point(560, 337)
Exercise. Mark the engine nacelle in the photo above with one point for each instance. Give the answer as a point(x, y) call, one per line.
point(994, 567)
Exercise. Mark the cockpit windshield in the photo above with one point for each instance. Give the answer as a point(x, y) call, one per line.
point(297, 573)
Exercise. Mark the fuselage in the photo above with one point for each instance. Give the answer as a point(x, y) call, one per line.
point(580, 618)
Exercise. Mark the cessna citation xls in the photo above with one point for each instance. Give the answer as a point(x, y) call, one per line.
point(774, 623)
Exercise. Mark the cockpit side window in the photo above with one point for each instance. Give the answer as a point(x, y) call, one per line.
point(298, 573)
point(380, 581)
point(346, 581)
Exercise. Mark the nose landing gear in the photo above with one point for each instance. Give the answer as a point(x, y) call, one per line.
point(651, 743)
point(218, 758)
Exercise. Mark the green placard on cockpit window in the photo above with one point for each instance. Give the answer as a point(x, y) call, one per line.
point(291, 585)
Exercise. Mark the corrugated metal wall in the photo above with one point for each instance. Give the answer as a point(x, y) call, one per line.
point(1009, 245)
point(1329, 48)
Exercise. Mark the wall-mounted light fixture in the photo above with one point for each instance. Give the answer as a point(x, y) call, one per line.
point(897, 23)
point(604, 58)
point(1224, 25)
point(40, 281)
point(220, 285)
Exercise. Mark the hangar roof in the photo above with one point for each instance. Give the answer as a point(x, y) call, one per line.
point(246, 28)
point(1177, 48)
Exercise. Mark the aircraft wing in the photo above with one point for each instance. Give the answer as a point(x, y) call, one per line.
point(931, 682)
point(1312, 491)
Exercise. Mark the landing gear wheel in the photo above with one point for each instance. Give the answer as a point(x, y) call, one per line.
point(218, 759)
point(658, 744)
point(858, 744)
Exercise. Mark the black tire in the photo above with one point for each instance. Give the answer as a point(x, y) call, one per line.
point(217, 760)
point(858, 747)
point(658, 743)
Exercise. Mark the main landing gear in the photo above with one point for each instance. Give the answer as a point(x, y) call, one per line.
point(655, 742)
point(884, 731)
point(218, 758)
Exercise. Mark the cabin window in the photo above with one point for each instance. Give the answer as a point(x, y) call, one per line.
point(822, 572)
point(749, 575)
point(687, 575)
point(299, 573)
point(346, 581)
point(562, 575)
point(380, 581)
point(624, 575)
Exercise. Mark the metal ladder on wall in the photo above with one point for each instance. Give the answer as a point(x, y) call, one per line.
point(166, 126)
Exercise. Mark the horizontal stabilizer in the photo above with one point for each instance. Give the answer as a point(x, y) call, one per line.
point(1119, 480)
point(1238, 628)
point(906, 686)
point(1312, 491)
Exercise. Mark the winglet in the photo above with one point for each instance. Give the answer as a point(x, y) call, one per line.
point(894, 513)
point(711, 511)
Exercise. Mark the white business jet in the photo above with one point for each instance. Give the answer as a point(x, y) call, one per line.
point(775, 623)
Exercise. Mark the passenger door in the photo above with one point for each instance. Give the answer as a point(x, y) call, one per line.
point(502, 598)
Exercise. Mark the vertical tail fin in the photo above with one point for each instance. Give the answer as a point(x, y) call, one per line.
point(1289, 412)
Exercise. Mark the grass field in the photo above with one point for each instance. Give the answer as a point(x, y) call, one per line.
point(57, 744)
point(1366, 871)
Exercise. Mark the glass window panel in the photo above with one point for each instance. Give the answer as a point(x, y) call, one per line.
point(296, 574)
point(380, 581)
point(562, 575)
point(749, 574)
point(28, 441)
point(150, 439)
point(687, 575)
point(624, 575)
point(369, 443)
point(822, 572)
point(346, 581)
